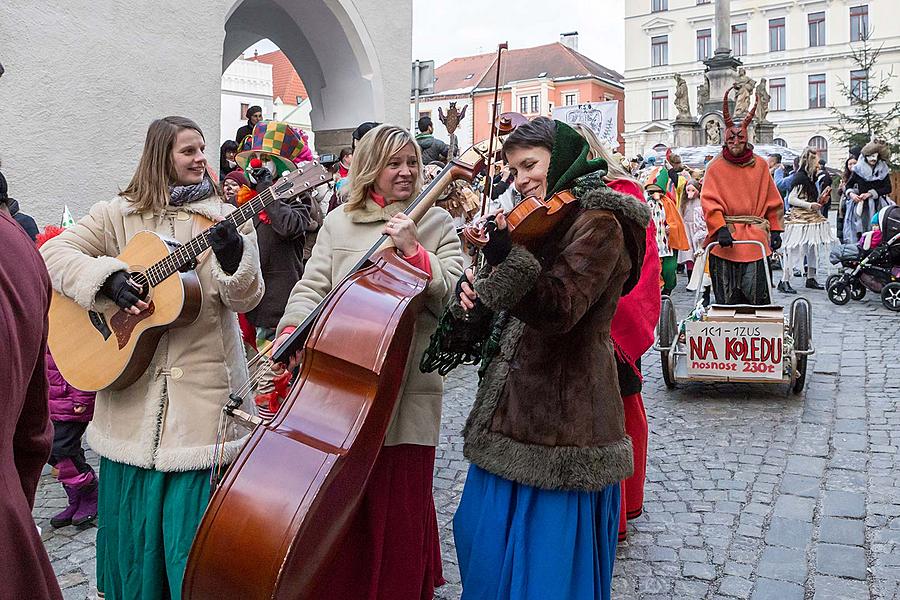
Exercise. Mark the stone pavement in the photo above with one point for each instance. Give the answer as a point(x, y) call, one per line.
point(751, 493)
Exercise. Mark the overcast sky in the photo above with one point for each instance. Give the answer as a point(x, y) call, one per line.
point(443, 30)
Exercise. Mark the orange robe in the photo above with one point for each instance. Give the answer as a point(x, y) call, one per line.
point(731, 190)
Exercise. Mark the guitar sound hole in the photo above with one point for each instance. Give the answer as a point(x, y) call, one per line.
point(143, 284)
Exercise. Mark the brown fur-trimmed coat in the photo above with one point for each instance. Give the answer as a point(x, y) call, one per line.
point(548, 412)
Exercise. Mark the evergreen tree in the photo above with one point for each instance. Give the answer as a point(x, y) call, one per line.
point(865, 120)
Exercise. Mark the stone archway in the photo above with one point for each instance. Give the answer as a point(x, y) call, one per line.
point(348, 57)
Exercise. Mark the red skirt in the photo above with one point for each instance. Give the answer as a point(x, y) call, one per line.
point(392, 550)
point(633, 487)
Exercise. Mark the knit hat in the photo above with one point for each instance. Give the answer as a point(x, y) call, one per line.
point(569, 159)
point(272, 140)
point(236, 176)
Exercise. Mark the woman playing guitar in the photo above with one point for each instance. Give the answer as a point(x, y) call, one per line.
point(392, 550)
point(156, 437)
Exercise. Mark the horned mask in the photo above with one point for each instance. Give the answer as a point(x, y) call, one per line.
point(736, 134)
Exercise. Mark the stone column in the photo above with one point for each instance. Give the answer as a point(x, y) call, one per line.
point(723, 27)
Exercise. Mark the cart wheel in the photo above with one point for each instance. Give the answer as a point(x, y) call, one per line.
point(666, 331)
point(857, 290)
point(890, 296)
point(839, 293)
point(832, 279)
point(801, 326)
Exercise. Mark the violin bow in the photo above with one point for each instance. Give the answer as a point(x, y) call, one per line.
point(489, 183)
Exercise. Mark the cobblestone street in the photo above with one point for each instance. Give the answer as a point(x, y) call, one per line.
point(751, 493)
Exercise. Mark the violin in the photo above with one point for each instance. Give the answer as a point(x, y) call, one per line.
point(529, 222)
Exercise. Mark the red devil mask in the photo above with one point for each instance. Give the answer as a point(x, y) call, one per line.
point(737, 140)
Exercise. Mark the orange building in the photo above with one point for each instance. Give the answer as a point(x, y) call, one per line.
point(532, 81)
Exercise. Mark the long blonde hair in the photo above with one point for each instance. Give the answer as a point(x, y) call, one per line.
point(614, 169)
point(371, 156)
point(149, 186)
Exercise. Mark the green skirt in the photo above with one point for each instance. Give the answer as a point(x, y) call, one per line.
point(147, 522)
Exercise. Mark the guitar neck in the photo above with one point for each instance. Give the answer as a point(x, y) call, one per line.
point(186, 253)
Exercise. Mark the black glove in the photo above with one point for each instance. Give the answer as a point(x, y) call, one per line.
point(260, 179)
point(227, 245)
point(723, 236)
point(119, 289)
point(775, 240)
point(498, 246)
point(479, 305)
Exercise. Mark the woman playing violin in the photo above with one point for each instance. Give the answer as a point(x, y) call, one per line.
point(392, 550)
point(546, 436)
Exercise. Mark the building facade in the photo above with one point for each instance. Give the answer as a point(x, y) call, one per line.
point(532, 82)
point(802, 48)
point(245, 83)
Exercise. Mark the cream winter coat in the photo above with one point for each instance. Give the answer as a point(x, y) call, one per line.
point(166, 420)
point(343, 240)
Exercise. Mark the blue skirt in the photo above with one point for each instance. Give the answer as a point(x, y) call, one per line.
point(517, 542)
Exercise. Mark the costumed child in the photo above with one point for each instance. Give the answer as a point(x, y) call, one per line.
point(71, 411)
point(806, 230)
point(670, 231)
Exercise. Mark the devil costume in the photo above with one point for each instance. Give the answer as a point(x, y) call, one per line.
point(740, 202)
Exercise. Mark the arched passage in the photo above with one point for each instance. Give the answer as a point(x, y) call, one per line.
point(330, 48)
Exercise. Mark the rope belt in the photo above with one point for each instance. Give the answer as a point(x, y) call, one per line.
point(748, 220)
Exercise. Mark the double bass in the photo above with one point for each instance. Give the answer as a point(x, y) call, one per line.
point(289, 496)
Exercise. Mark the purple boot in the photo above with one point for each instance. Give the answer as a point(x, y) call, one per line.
point(87, 504)
point(65, 517)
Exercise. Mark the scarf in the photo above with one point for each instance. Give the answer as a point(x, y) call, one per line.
point(864, 170)
point(180, 195)
point(742, 160)
point(569, 160)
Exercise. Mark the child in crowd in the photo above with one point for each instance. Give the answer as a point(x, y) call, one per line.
point(70, 411)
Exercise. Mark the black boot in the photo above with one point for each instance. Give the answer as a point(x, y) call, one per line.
point(812, 284)
point(785, 288)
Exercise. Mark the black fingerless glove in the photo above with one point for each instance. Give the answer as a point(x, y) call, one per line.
point(118, 289)
point(260, 179)
point(498, 247)
point(723, 236)
point(775, 240)
point(227, 245)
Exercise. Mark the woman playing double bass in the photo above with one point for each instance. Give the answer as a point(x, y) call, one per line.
point(392, 550)
point(539, 513)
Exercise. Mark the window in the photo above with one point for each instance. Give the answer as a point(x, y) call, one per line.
point(244, 107)
point(776, 34)
point(859, 23)
point(777, 92)
point(494, 110)
point(704, 44)
point(424, 113)
point(535, 104)
point(660, 105)
point(859, 84)
point(820, 144)
point(659, 5)
point(780, 142)
point(570, 99)
point(659, 50)
point(299, 100)
point(523, 104)
point(739, 39)
point(817, 91)
point(702, 1)
point(816, 29)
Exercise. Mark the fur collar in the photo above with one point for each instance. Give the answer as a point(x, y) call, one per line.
point(592, 193)
point(372, 213)
point(212, 207)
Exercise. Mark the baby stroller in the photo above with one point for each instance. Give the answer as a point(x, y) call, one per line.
point(876, 270)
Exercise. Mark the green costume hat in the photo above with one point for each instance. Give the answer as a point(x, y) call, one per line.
point(569, 159)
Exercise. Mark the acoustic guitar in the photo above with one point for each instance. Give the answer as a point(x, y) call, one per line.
point(111, 349)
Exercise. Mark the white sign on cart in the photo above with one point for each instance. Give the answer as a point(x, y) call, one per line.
point(735, 350)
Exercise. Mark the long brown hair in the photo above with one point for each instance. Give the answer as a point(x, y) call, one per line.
point(149, 186)
point(371, 156)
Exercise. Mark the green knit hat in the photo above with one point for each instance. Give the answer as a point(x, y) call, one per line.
point(569, 159)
